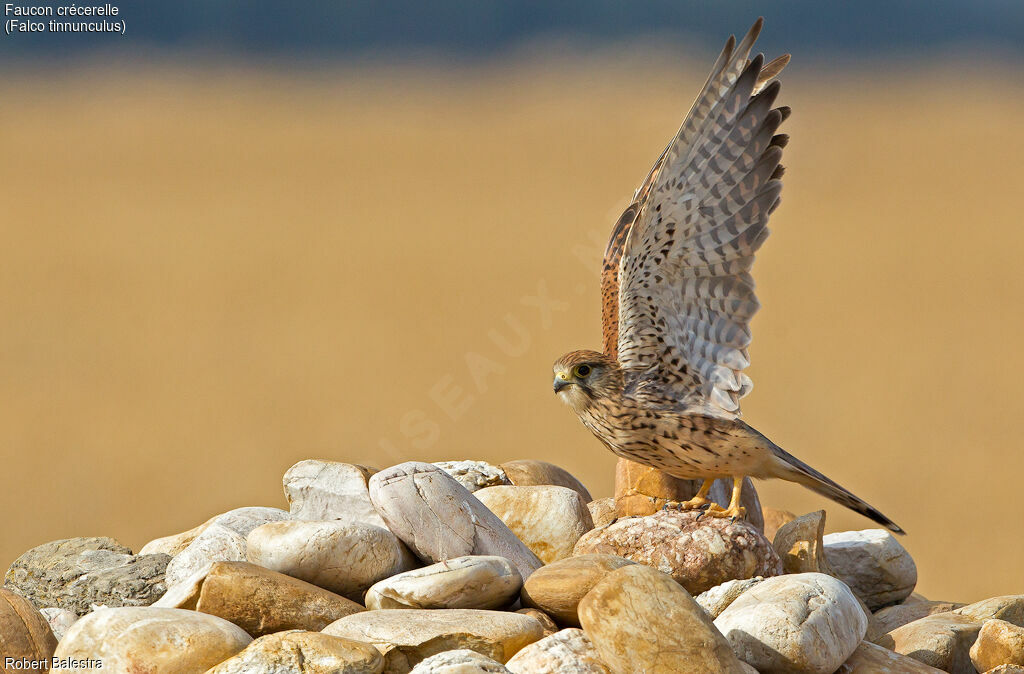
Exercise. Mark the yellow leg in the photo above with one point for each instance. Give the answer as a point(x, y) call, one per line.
point(735, 509)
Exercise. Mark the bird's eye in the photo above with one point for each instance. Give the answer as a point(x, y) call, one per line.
point(582, 370)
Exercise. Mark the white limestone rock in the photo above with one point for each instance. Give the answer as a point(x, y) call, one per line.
point(803, 622)
point(345, 557)
point(439, 519)
point(873, 563)
point(217, 543)
point(329, 490)
point(463, 582)
point(149, 639)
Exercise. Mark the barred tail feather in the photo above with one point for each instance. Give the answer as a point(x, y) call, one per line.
point(788, 467)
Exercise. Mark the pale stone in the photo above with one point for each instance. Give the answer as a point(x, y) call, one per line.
point(602, 511)
point(999, 643)
point(806, 622)
point(871, 659)
point(531, 473)
point(217, 543)
point(439, 519)
point(699, 552)
point(799, 544)
point(459, 661)
point(148, 639)
point(59, 619)
point(299, 652)
point(345, 557)
point(1006, 669)
point(462, 582)
point(558, 588)
point(406, 637)
point(567, 652)
point(329, 490)
point(474, 475)
point(891, 617)
point(774, 518)
point(942, 640)
point(75, 573)
point(239, 520)
point(640, 620)
point(548, 518)
point(718, 598)
point(1008, 607)
point(873, 563)
point(24, 632)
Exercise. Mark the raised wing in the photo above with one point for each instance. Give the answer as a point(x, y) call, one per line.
point(685, 296)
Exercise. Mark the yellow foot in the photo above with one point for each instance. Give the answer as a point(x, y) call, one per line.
point(696, 503)
point(733, 512)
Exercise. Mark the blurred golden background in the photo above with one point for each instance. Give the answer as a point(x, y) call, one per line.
point(208, 275)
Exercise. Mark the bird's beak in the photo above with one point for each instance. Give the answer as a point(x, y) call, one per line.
point(561, 381)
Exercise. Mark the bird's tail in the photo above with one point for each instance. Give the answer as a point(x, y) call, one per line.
point(788, 467)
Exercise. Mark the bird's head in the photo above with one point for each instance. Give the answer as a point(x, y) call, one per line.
point(581, 377)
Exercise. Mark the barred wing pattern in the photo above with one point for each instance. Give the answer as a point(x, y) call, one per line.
point(685, 295)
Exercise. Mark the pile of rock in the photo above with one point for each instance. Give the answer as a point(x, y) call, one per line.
point(464, 567)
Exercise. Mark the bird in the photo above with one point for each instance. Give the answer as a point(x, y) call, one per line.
point(677, 298)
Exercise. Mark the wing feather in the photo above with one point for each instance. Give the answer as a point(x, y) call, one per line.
point(685, 293)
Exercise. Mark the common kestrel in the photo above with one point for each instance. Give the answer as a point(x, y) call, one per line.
point(678, 297)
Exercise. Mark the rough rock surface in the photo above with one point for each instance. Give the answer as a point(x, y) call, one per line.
point(462, 582)
point(873, 563)
point(942, 641)
point(872, 659)
point(439, 519)
point(329, 490)
point(531, 473)
point(698, 553)
point(718, 598)
point(891, 617)
point(807, 622)
point(799, 544)
point(408, 636)
point(59, 619)
point(459, 661)
point(558, 588)
point(345, 557)
point(602, 511)
point(75, 573)
point(217, 543)
point(148, 639)
point(24, 632)
point(474, 475)
point(998, 643)
point(569, 651)
point(640, 620)
point(548, 518)
point(299, 652)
